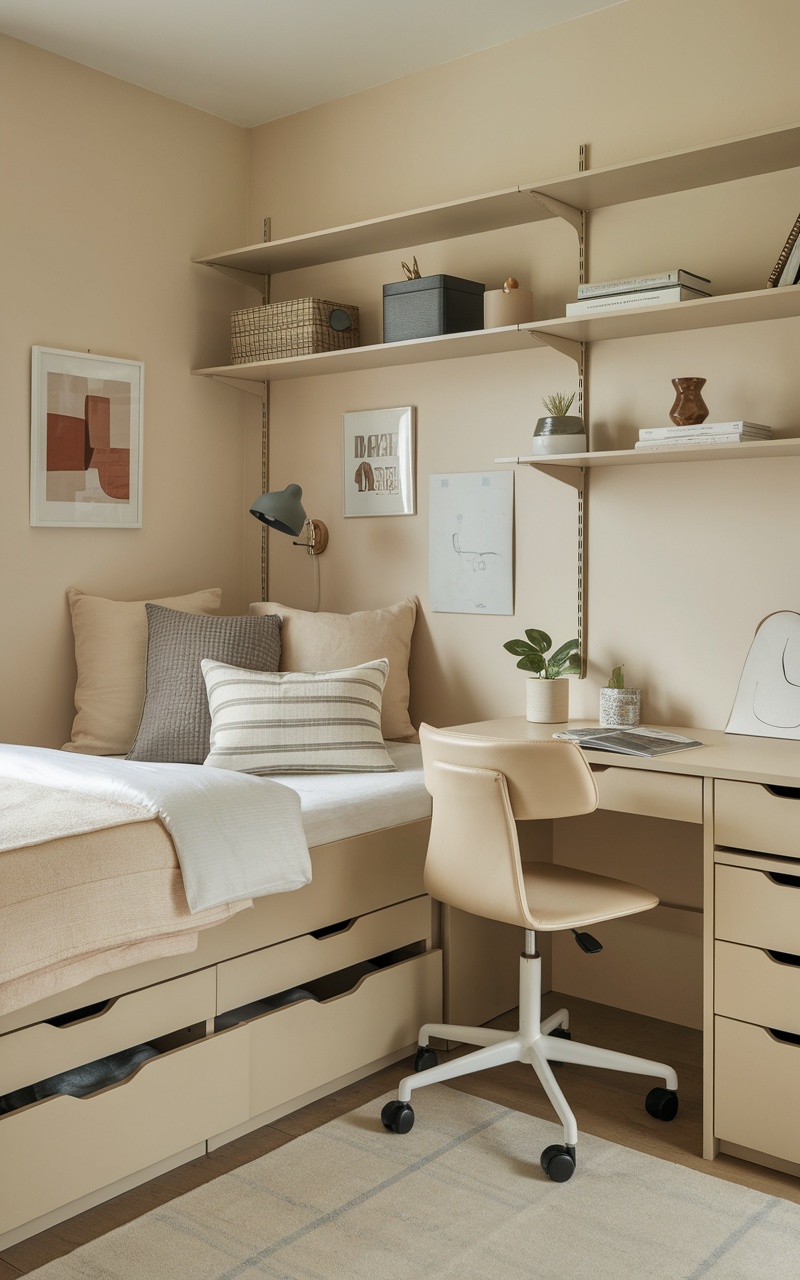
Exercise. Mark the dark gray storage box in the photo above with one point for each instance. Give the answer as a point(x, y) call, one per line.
point(430, 306)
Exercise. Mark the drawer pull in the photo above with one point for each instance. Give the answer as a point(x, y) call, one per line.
point(786, 1037)
point(787, 793)
point(781, 877)
point(79, 1015)
point(341, 926)
point(784, 957)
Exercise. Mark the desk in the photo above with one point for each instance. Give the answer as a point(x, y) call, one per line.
point(741, 798)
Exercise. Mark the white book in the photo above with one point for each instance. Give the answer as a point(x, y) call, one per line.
point(754, 429)
point(622, 301)
point(704, 442)
point(791, 268)
point(658, 280)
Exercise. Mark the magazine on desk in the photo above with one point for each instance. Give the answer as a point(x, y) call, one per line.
point(629, 742)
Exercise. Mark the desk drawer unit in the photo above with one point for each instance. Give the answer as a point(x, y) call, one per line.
point(654, 795)
point(758, 908)
point(757, 1089)
point(750, 816)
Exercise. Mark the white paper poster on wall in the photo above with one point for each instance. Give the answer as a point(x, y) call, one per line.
point(471, 533)
point(767, 702)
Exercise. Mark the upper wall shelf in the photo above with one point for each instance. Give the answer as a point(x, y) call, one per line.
point(702, 166)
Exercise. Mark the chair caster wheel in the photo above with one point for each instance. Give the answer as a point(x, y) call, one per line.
point(425, 1057)
point(662, 1104)
point(558, 1162)
point(398, 1117)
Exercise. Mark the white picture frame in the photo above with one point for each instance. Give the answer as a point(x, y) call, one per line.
point(471, 542)
point(378, 462)
point(86, 440)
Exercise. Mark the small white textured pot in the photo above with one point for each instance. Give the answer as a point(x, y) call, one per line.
point(548, 700)
point(620, 708)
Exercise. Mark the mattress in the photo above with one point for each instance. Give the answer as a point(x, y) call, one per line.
point(89, 902)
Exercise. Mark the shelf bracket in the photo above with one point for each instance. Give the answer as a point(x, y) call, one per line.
point(567, 475)
point(567, 346)
point(566, 211)
point(242, 384)
point(251, 278)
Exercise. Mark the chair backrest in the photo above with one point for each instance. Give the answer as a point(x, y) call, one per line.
point(481, 787)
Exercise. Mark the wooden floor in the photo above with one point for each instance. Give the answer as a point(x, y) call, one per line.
point(606, 1103)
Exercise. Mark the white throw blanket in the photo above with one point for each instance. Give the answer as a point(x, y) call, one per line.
point(236, 836)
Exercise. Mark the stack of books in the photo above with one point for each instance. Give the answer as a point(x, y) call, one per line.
point(640, 291)
point(705, 433)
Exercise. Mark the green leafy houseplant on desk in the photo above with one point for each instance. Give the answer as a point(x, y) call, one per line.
point(548, 689)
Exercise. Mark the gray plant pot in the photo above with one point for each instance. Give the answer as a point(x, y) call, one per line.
point(559, 435)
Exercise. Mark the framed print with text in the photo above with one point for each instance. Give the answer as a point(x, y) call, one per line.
point(86, 440)
point(378, 462)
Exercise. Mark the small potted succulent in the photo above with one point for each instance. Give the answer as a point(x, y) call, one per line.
point(548, 689)
point(619, 707)
point(560, 431)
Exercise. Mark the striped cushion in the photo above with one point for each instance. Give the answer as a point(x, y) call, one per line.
point(297, 721)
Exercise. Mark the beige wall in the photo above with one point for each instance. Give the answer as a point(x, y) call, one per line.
point(116, 189)
point(108, 192)
point(684, 561)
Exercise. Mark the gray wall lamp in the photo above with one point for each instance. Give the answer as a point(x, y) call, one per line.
point(284, 511)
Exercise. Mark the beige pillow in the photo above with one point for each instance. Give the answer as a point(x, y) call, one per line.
point(327, 641)
point(111, 657)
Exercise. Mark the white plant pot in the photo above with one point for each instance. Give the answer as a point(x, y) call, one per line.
point(547, 700)
point(620, 708)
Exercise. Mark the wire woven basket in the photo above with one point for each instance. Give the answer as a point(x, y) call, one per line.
point(300, 327)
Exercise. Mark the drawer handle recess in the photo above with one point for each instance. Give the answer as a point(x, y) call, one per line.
point(781, 877)
point(784, 957)
point(787, 793)
point(785, 1037)
point(341, 926)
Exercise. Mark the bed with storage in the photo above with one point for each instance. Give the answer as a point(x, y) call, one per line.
point(282, 998)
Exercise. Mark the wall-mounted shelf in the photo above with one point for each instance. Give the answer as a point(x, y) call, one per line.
point(673, 171)
point(569, 467)
point(566, 333)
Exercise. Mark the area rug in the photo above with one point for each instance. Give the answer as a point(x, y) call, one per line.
point(462, 1195)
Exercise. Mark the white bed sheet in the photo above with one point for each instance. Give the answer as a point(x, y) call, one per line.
point(335, 806)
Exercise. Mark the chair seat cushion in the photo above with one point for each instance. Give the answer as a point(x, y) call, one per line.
point(565, 898)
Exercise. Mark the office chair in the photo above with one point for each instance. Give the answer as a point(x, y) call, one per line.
point(481, 787)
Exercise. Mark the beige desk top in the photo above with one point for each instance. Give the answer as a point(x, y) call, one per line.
point(771, 761)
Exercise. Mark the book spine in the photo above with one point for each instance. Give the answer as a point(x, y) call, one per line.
point(659, 280)
point(703, 429)
point(732, 438)
point(792, 265)
point(777, 270)
point(619, 301)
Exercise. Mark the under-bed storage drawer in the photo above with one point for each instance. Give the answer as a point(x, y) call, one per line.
point(60, 1149)
point(757, 1089)
point(38, 1052)
point(303, 1046)
point(755, 985)
point(759, 908)
point(750, 816)
point(290, 964)
point(677, 797)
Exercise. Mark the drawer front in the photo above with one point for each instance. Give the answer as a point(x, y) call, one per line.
point(291, 964)
point(653, 794)
point(756, 1089)
point(753, 908)
point(299, 1048)
point(753, 986)
point(37, 1052)
point(748, 816)
point(63, 1148)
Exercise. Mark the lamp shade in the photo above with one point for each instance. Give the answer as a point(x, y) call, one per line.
point(281, 510)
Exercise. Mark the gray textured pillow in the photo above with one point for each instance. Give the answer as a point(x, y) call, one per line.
point(176, 722)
